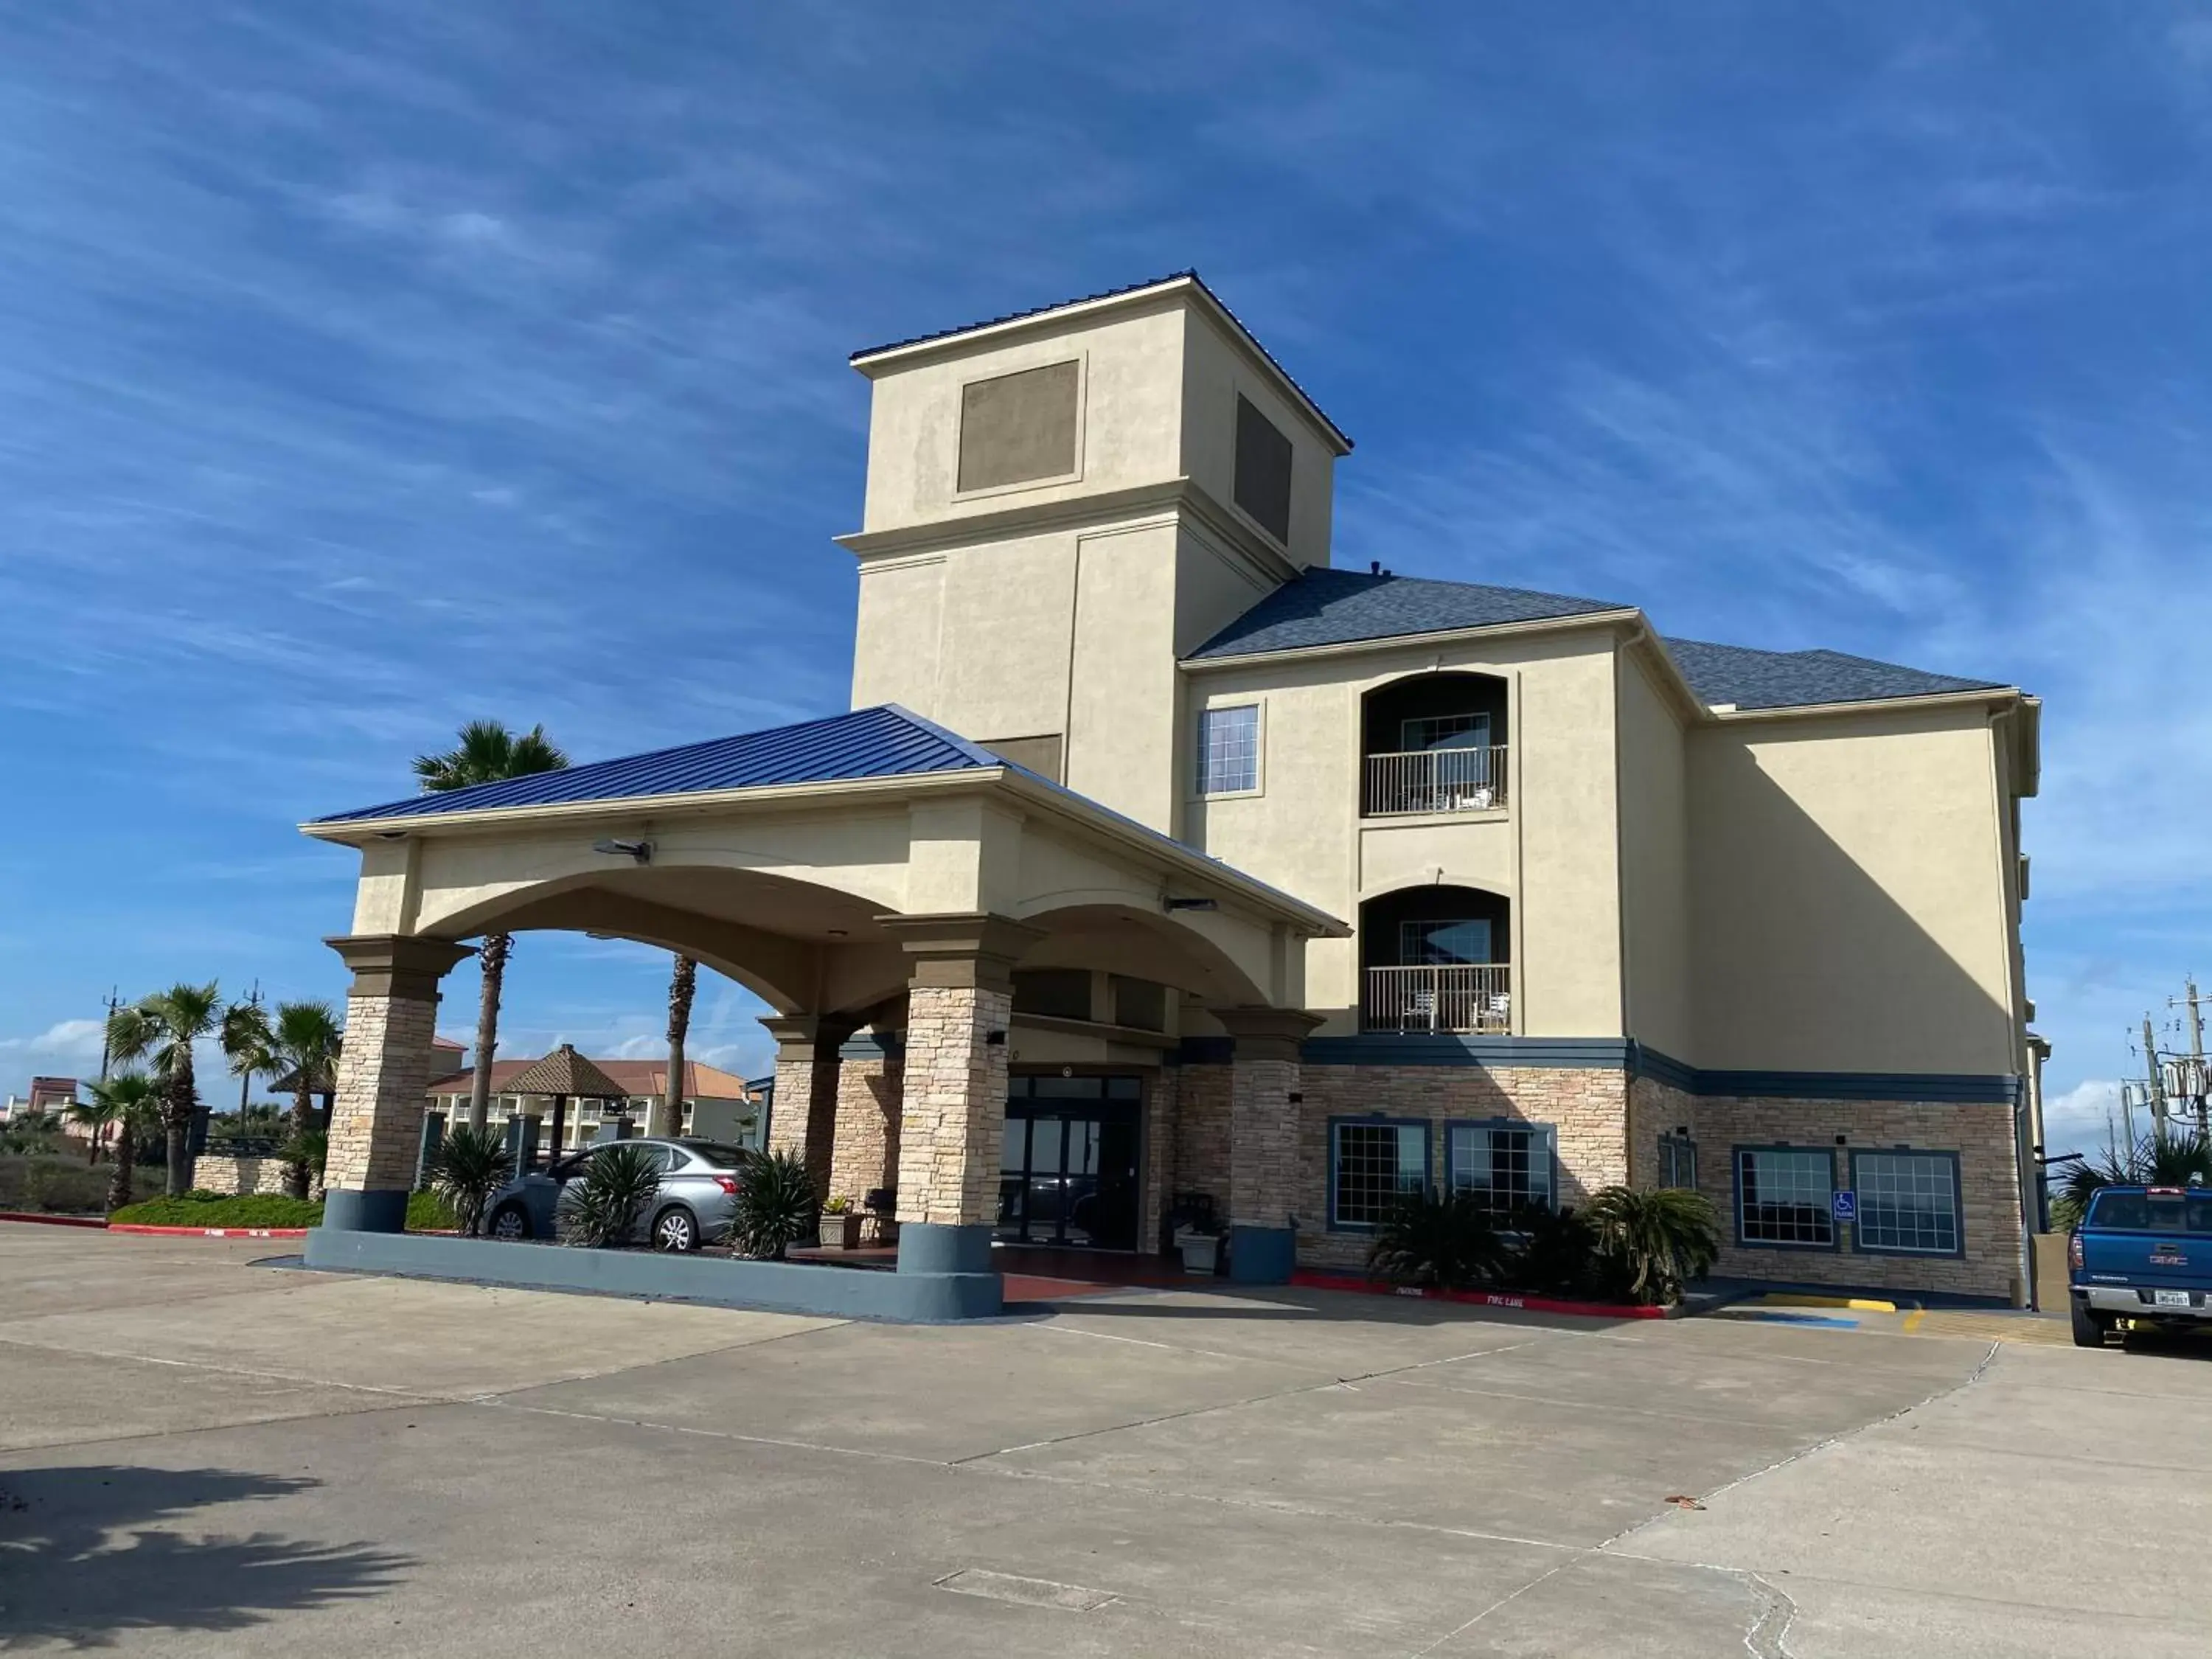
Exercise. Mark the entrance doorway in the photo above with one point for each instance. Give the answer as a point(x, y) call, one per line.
point(1068, 1165)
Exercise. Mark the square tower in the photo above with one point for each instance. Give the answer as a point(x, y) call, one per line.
point(1060, 505)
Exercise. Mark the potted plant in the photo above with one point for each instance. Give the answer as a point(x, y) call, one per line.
point(840, 1224)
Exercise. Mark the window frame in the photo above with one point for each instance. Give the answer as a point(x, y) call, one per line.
point(1834, 1245)
point(1859, 1247)
point(1672, 1147)
point(1377, 1121)
point(1197, 774)
point(1550, 1132)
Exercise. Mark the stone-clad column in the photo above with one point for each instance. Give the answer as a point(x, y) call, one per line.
point(1263, 1139)
point(383, 1077)
point(953, 1098)
point(802, 1117)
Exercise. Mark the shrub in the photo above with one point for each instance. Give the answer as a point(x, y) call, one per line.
point(777, 1205)
point(1660, 1238)
point(427, 1213)
point(603, 1205)
point(59, 1183)
point(470, 1165)
point(1447, 1241)
point(219, 1209)
point(1557, 1255)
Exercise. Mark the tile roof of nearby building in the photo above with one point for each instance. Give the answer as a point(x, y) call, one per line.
point(637, 1078)
point(1190, 276)
point(1344, 607)
point(1795, 679)
point(1339, 607)
point(883, 742)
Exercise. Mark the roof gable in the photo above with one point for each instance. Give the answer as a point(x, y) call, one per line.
point(884, 741)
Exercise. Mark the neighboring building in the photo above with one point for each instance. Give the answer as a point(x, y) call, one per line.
point(717, 1106)
point(1161, 857)
point(50, 1098)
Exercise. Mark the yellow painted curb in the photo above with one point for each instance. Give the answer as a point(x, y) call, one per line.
point(1860, 1303)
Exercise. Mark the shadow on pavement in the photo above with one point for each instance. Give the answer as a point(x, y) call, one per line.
point(82, 1559)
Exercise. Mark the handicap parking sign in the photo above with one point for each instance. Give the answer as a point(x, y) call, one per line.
point(1845, 1205)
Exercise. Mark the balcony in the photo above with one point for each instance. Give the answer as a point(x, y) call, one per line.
point(1471, 780)
point(1453, 998)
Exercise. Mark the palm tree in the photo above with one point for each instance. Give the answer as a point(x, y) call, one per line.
point(300, 1043)
point(488, 753)
point(132, 1100)
point(98, 1116)
point(1661, 1237)
point(683, 985)
point(161, 1029)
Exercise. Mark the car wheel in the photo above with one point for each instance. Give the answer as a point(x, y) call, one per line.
point(674, 1230)
point(2090, 1329)
point(510, 1223)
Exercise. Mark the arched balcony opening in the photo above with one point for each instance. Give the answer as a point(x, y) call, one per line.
point(1436, 960)
point(1434, 742)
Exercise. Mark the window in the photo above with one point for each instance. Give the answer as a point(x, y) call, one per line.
point(1372, 1164)
point(1229, 750)
point(1678, 1161)
point(1908, 1202)
point(1442, 944)
point(1508, 1164)
point(1445, 732)
point(1263, 470)
point(1017, 428)
point(1783, 1197)
point(2151, 1212)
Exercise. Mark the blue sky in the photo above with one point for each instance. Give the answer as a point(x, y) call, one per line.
point(365, 368)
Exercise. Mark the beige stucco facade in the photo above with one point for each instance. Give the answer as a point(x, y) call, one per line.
point(1808, 912)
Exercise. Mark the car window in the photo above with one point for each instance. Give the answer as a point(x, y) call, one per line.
point(2144, 1213)
point(716, 1154)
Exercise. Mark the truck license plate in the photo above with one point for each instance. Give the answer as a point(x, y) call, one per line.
point(2170, 1298)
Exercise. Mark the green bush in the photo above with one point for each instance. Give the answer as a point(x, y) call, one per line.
point(778, 1205)
point(1660, 1239)
point(1447, 1241)
point(427, 1213)
point(59, 1183)
point(213, 1210)
point(605, 1207)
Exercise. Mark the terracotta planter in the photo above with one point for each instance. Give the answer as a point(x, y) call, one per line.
point(841, 1229)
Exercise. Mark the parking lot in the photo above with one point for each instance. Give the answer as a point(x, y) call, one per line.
point(200, 1455)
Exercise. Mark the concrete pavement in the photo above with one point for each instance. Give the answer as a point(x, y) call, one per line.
point(200, 1456)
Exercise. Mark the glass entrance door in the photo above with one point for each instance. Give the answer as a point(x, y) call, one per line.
point(1068, 1163)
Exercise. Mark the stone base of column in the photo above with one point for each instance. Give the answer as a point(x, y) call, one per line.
point(1261, 1255)
point(379, 1210)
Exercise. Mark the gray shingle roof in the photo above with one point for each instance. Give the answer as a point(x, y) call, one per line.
point(1338, 607)
point(1115, 293)
point(1796, 680)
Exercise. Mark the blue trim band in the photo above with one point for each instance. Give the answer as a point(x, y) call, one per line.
point(872, 1045)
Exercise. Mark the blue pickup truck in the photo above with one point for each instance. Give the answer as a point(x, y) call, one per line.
point(2143, 1253)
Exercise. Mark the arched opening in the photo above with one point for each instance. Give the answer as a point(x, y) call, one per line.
point(1436, 959)
point(1434, 742)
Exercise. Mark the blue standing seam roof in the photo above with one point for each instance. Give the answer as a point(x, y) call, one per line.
point(884, 741)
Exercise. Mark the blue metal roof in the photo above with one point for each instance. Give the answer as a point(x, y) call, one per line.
point(1338, 607)
point(884, 741)
point(1799, 679)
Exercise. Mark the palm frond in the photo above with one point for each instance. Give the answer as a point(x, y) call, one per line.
point(488, 753)
point(1448, 1241)
point(778, 1205)
point(1662, 1238)
point(603, 1207)
point(469, 1166)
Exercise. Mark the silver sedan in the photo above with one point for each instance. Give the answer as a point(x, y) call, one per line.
point(696, 1205)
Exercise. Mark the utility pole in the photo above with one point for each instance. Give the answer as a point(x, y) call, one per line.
point(2157, 1079)
point(2193, 1081)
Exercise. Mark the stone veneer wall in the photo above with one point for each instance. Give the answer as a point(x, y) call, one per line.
point(1162, 1092)
point(954, 1104)
point(1200, 1164)
point(212, 1172)
point(1588, 1108)
point(1980, 1132)
point(384, 1084)
point(865, 1155)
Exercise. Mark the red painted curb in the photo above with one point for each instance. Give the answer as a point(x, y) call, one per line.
point(1319, 1281)
point(46, 1220)
point(207, 1232)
